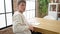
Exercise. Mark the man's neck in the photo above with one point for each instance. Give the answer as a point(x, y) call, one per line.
point(21, 12)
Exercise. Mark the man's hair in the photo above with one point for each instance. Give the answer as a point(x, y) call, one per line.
point(20, 1)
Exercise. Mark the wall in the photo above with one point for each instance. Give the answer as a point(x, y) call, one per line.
point(15, 5)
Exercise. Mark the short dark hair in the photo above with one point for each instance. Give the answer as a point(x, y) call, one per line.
point(20, 1)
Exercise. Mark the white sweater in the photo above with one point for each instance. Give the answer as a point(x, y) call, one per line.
point(20, 24)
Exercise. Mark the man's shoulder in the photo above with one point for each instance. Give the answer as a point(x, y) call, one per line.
point(17, 13)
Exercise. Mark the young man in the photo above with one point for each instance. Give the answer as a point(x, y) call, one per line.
point(20, 25)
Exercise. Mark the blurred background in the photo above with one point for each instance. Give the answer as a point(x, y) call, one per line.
point(34, 8)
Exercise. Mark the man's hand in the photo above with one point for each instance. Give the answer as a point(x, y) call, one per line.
point(31, 28)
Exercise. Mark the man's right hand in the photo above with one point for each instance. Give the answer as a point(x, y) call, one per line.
point(31, 28)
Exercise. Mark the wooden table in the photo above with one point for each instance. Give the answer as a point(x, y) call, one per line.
point(47, 26)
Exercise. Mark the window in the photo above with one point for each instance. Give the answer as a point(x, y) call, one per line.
point(1, 6)
point(9, 19)
point(5, 13)
point(30, 9)
point(8, 12)
point(2, 21)
point(8, 5)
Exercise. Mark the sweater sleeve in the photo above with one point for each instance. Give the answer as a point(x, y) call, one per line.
point(18, 25)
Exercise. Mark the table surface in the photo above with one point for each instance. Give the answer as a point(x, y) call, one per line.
point(51, 25)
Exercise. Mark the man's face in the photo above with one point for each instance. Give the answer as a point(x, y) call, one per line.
point(22, 7)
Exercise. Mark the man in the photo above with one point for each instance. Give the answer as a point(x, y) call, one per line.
point(20, 25)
